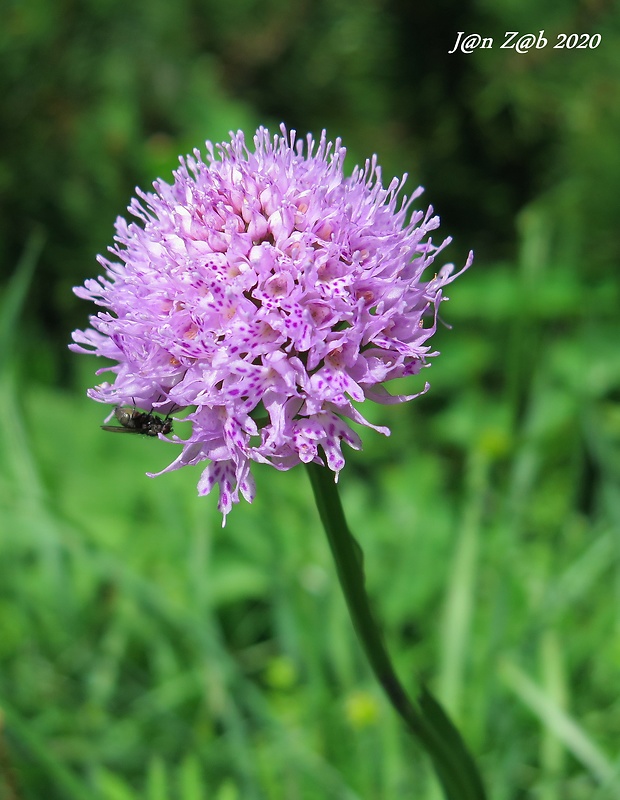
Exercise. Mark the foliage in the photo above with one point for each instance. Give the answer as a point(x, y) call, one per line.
point(144, 652)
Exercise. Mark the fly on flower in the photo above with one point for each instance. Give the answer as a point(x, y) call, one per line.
point(273, 295)
point(140, 422)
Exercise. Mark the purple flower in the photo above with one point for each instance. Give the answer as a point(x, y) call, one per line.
point(268, 292)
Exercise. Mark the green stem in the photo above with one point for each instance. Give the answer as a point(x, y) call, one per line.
point(425, 719)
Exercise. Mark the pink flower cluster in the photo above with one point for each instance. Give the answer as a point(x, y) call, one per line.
point(269, 293)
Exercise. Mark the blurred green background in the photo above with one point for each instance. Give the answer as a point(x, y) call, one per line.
point(144, 652)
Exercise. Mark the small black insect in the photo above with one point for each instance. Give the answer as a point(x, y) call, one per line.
point(143, 422)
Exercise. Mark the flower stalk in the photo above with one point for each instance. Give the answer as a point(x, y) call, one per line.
point(425, 719)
